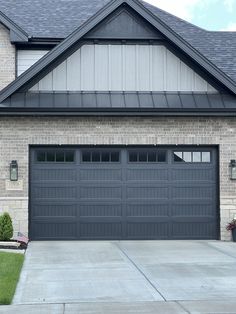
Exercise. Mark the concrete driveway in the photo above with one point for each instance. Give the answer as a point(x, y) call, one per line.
point(130, 274)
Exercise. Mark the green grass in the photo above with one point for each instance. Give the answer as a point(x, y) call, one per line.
point(10, 268)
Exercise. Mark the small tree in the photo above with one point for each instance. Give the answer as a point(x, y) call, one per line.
point(6, 228)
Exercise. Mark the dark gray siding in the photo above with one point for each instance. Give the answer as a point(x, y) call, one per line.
point(123, 200)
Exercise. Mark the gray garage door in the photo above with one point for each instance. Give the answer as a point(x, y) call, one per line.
point(123, 193)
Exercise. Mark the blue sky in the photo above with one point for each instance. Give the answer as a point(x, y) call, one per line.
point(209, 14)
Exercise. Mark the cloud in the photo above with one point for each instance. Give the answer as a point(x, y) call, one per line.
point(231, 27)
point(183, 9)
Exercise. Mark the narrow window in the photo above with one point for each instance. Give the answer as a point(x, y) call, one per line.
point(69, 157)
point(51, 156)
point(178, 156)
point(142, 157)
point(196, 156)
point(41, 157)
point(152, 157)
point(133, 157)
point(115, 157)
point(86, 157)
point(187, 156)
point(95, 157)
point(206, 157)
point(60, 157)
point(162, 156)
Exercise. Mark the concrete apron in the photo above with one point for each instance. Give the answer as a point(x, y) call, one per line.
point(129, 277)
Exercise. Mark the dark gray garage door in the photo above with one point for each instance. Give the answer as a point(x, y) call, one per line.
point(123, 193)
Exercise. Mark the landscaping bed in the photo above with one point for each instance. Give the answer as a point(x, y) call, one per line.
point(13, 245)
point(10, 268)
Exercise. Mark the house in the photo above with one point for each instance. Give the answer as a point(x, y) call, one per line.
point(117, 121)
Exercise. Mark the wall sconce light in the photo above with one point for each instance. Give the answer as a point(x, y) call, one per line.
point(13, 170)
point(232, 166)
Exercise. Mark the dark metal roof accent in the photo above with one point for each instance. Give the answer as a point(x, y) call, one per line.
point(124, 24)
point(121, 100)
point(17, 34)
point(100, 16)
point(122, 112)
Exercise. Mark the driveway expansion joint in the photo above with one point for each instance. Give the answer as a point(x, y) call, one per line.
point(139, 270)
point(182, 306)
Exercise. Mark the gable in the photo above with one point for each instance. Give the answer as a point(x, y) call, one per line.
point(60, 54)
point(124, 23)
point(116, 67)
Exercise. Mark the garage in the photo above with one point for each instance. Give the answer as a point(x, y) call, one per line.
point(100, 193)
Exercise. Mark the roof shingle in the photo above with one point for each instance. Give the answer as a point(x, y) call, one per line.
point(59, 18)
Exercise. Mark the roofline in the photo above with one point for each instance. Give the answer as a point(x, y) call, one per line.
point(13, 27)
point(98, 17)
point(125, 112)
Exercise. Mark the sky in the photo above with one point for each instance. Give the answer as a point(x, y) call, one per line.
point(215, 15)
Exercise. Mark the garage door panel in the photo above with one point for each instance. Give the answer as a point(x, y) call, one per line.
point(194, 230)
point(193, 210)
point(101, 231)
point(53, 175)
point(147, 210)
point(147, 174)
point(57, 231)
point(100, 175)
point(148, 220)
point(100, 220)
point(147, 230)
point(100, 192)
point(147, 192)
point(55, 210)
point(191, 192)
point(198, 174)
point(100, 210)
point(49, 192)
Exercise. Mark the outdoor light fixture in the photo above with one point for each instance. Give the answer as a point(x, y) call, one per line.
point(233, 169)
point(13, 170)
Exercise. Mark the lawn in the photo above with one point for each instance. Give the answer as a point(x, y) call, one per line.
point(10, 267)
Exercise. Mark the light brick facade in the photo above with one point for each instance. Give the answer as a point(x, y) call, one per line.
point(7, 58)
point(16, 134)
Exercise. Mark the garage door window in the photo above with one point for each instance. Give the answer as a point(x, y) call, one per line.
point(52, 156)
point(100, 156)
point(151, 156)
point(192, 157)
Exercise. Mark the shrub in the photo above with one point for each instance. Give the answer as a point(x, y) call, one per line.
point(6, 228)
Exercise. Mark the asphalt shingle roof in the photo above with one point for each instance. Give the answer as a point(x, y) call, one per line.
point(59, 18)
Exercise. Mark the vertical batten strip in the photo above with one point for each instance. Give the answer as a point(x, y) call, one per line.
point(123, 68)
point(165, 68)
point(138, 59)
point(150, 68)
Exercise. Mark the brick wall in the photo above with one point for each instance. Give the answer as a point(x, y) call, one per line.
point(7, 58)
point(16, 134)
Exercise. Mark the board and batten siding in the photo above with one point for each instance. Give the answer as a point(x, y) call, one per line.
point(26, 58)
point(123, 68)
